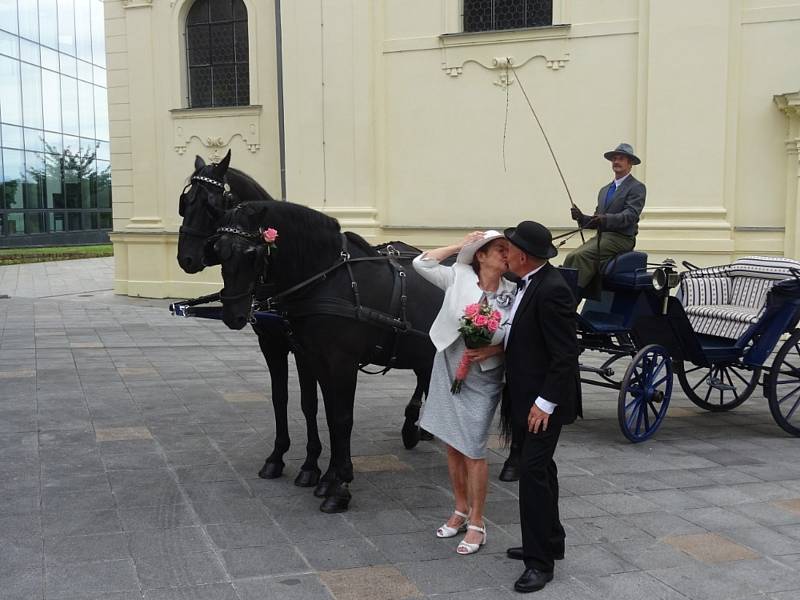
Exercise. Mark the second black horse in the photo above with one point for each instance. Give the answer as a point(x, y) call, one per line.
point(347, 306)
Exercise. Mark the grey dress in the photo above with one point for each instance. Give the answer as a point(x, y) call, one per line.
point(463, 420)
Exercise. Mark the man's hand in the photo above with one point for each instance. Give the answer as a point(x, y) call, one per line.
point(576, 213)
point(537, 418)
point(597, 221)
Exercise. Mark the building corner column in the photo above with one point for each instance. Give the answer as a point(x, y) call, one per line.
point(789, 104)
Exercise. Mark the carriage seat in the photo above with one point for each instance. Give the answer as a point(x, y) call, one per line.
point(725, 301)
point(627, 271)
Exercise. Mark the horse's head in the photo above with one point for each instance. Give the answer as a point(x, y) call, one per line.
point(244, 256)
point(202, 206)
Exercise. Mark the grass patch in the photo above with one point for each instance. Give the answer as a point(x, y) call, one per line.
point(16, 256)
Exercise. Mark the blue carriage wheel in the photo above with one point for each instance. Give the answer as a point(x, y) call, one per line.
point(645, 393)
point(783, 386)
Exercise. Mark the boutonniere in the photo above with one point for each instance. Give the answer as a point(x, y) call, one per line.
point(505, 299)
point(270, 236)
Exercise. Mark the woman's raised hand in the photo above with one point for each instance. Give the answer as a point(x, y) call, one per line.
point(472, 237)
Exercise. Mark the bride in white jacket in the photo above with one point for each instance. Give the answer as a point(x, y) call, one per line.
point(462, 420)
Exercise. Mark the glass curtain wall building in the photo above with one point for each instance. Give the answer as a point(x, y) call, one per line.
point(55, 184)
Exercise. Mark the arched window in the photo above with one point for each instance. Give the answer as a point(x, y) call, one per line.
point(491, 15)
point(217, 53)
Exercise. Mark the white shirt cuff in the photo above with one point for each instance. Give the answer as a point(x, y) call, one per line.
point(546, 406)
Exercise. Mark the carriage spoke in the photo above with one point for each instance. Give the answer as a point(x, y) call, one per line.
point(708, 394)
point(742, 379)
point(653, 408)
point(785, 381)
point(660, 381)
point(692, 370)
point(646, 416)
point(735, 390)
point(790, 414)
point(697, 385)
point(792, 393)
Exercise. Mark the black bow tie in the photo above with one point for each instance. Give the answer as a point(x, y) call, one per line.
point(514, 278)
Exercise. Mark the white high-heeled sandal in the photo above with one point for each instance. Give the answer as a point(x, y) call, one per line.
point(465, 547)
point(445, 531)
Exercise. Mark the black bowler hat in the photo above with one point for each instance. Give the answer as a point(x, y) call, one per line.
point(533, 238)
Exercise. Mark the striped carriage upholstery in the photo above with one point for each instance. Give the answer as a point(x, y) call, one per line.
point(724, 301)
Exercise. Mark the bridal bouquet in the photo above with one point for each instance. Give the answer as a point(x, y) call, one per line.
point(478, 325)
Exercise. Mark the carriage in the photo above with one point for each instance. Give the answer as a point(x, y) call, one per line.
point(717, 335)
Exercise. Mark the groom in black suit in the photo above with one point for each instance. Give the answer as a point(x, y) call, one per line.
point(543, 393)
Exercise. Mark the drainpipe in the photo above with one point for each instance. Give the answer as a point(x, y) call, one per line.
point(281, 125)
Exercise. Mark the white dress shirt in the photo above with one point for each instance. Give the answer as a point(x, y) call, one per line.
point(543, 404)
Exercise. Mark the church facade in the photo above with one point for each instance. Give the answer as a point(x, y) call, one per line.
point(408, 119)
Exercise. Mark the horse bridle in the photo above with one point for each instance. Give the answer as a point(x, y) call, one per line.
point(250, 236)
point(200, 179)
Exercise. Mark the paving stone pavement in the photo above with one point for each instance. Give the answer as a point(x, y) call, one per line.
point(130, 442)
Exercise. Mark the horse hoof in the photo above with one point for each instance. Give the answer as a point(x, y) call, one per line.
point(410, 433)
point(271, 470)
point(323, 489)
point(425, 436)
point(509, 473)
point(334, 504)
point(307, 478)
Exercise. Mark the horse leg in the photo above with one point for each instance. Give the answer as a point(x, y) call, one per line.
point(510, 470)
point(276, 353)
point(309, 472)
point(411, 432)
point(324, 486)
point(342, 385)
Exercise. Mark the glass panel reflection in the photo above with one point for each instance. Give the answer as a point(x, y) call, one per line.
point(9, 44)
point(55, 172)
point(12, 137)
point(66, 26)
point(8, 15)
point(10, 92)
point(48, 23)
point(29, 19)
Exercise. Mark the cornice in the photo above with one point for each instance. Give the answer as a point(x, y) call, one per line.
point(788, 103)
point(137, 3)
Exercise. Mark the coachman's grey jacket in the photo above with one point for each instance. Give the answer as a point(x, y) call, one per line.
point(624, 208)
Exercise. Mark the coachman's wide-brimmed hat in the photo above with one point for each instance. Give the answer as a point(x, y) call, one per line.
point(467, 253)
point(533, 238)
point(625, 149)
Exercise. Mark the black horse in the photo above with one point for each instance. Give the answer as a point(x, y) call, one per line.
point(201, 212)
point(213, 189)
point(347, 306)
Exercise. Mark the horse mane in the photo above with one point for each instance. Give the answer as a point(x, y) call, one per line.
point(308, 240)
point(360, 243)
point(245, 187)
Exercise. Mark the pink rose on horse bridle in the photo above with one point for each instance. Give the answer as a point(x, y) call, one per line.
point(269, 236)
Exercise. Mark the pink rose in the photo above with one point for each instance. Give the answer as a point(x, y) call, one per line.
point(492, 325)
point(270, 235)
point(472, 309)
point(495, 315)
point(480, 321)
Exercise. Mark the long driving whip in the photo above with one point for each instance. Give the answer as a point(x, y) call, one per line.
point(544, 135)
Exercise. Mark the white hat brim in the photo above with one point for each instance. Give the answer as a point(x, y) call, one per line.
point(467, 253)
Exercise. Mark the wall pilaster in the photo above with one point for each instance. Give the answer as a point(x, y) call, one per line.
point(789, 104)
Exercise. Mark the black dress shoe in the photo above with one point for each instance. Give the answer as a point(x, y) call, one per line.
point(532, 580)
point(515, 553)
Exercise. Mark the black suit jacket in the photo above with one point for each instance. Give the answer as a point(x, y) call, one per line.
point(542, 350)
point(624, 209)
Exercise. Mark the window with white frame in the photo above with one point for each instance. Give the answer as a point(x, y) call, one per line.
point(217, 54)
point(493, 15)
